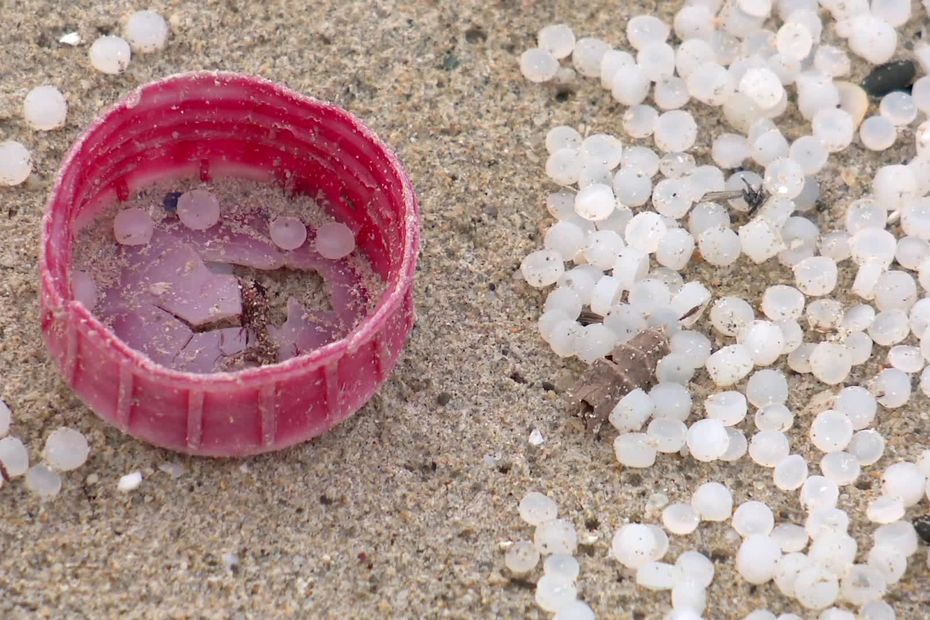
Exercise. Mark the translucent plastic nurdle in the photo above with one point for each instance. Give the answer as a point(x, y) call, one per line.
point(211, 124)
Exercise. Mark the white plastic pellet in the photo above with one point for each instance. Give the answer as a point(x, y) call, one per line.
point(830, 362)
point(542, 268)
point(872, 38)
point(831, 431)
point(656, 60)
point(898, 107)
point(634, 545)
point(767, 387)
point(736, 447)
point(776, 417)
point(712, 501)
point(643, 30)
point(670, 400)
point(587, 56)
point(763, 340)
point(66, 449)
point(709, 83)
point(15, 163)
point(146, 31)
point(791, 538)
point(335, 240)
point(885, 509)
point(729, 314)
point(538, 65)
point(818, 492)
point(522, 557)
point(892, 388)
point(769, 448)
point(790, 473)
point(110, 54)
point(794, 40)
point(634, 450)
point(889, 328)
point(867, 446)
point(288, 233)
point(729, 364)
point(45, 108)
point(630, 85)
point(564, 166)
point(787, 569)
point(694, 345)
point(708, 439)
point(595, 202)
point(42, 481)
point(675, 131)
point(536, 508)
point(889, 561)
point(557, 39)
point(904, 480)
point(645, 231)
point(554, 593)
point(760, 240)
point(816, 588)
point(555, 536)
point(834, 127)
point(13, 456)
point(561, 565)
point(877, 133)
point(133, 227)
point(835, 245)
point(575, 610)
point(816, 275)
point(680, 518)
point(757, 558)
point(562, 137)
point(753, 518)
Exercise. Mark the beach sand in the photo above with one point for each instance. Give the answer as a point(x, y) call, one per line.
point(400, 511)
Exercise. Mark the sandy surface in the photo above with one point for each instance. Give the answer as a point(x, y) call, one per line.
point(400, 511)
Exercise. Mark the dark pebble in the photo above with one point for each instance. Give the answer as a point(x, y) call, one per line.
point(922, 525)
point(891, 76)
point(475, 34)
point(171, 201)
point(450, 62)
point(516, 377)
point(443, 399)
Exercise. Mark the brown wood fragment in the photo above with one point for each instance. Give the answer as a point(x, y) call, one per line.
point(589, 318)
point(630, 365)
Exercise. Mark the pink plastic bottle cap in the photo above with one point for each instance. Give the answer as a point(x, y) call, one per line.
point(212, 126)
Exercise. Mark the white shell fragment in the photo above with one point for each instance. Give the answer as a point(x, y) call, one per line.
point(130, 482)
point(72, 38)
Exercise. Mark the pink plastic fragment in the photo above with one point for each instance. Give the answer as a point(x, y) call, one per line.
point(303, 331)
point(221, 124)
point(178, 282)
